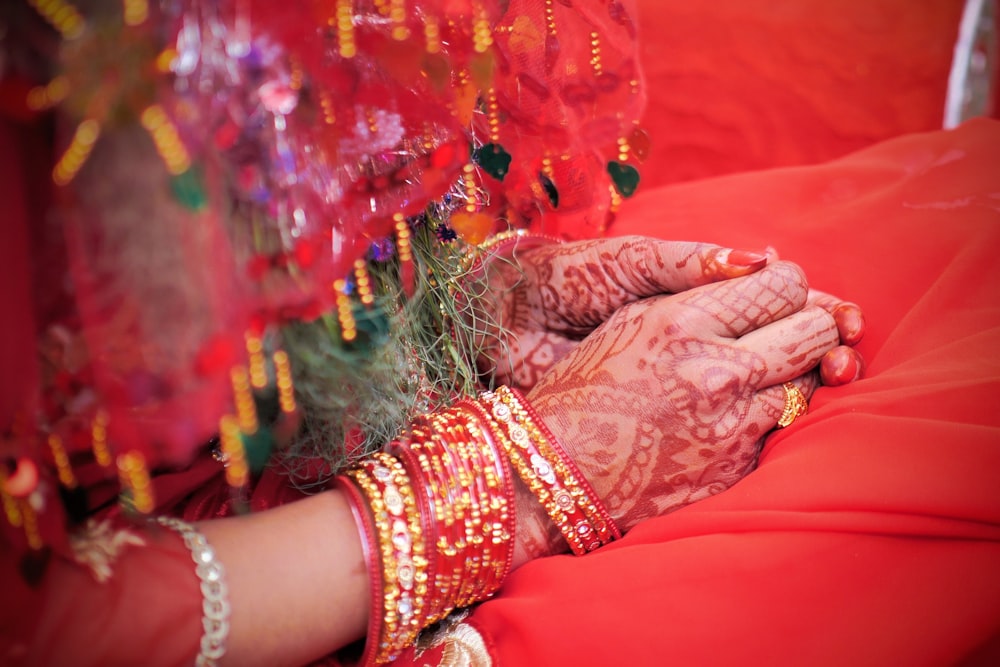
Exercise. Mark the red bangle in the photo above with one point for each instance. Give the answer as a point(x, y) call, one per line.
point(370, 550)
point(549, 473)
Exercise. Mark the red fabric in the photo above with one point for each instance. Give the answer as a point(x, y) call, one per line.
point(149, 610)
point(747, 84)
point(870, 534)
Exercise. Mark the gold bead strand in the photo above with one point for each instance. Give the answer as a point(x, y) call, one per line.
point(595, 54)
point(482, 32)
point(11, 505)
point(326, 104)
point(471, 189)
point(99, 439)
point(257, 360)
point(136, 12)
point(80, 146)
point(405, 250)
point(166, 138)
point(134, 476)
point(397, 15)
point(283, 378)
point(49, 95)
point(493, 115)
point(231, 443)
point(432, 34)
point(364, 283)
point(63, 467)
point(550, 18)
point(246, 408)
point(62, 16)
point(347, 47)
point(348, 326)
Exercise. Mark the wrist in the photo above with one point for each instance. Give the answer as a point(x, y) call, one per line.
point(535, 535)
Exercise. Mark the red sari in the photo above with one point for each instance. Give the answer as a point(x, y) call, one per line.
point(870, 533)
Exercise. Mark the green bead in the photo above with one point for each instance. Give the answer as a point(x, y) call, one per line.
point(625, 177)
point(257, 448)
point(493, 159)
point(189, 190)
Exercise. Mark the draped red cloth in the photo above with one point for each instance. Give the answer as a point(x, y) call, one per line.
point(735, 85)
point(870, 534)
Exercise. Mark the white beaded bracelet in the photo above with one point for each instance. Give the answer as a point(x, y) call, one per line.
point(215, 594)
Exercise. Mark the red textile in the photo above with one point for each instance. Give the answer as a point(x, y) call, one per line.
point(149, 612)
point(870, 534)
point(749, 84)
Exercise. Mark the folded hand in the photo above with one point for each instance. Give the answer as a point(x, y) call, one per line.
point(670, 399)
point(550, 297)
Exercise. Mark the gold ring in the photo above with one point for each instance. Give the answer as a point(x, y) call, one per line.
point(795, 405)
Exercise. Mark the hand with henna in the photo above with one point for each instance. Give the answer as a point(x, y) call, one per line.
point(670, 399)
point(548, 298)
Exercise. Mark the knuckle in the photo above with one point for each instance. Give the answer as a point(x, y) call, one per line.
point(792, 278)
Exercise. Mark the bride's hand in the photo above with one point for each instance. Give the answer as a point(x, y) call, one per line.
point(548, 298)
point(670, 399)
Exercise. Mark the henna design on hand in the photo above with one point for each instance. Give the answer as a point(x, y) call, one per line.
point(552, 296)
point(660, 405)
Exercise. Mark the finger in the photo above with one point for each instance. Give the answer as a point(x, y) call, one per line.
point(793, 345)
point(849, 317)
point(841, 365)
point(737, 307)
point(769, 403)
point(625, 269)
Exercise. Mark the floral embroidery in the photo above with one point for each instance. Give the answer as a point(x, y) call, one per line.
point(453, 644)
point(98, 546)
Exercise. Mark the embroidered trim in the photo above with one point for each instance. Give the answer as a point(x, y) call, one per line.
point(462, 644)
point(97, 546)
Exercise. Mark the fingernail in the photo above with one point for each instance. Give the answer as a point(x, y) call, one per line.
point(746, 258)
point(850, 323)
point(840, 366)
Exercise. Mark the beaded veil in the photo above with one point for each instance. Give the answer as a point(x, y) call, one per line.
point(262, 218)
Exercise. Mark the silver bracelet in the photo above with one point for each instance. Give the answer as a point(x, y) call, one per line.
point(215, 594)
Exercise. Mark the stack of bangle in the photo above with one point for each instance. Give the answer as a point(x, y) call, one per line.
point(437, 516)
point(436, 512)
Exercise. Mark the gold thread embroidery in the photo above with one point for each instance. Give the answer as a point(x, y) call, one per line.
point(463, 645)
point(98, 546)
